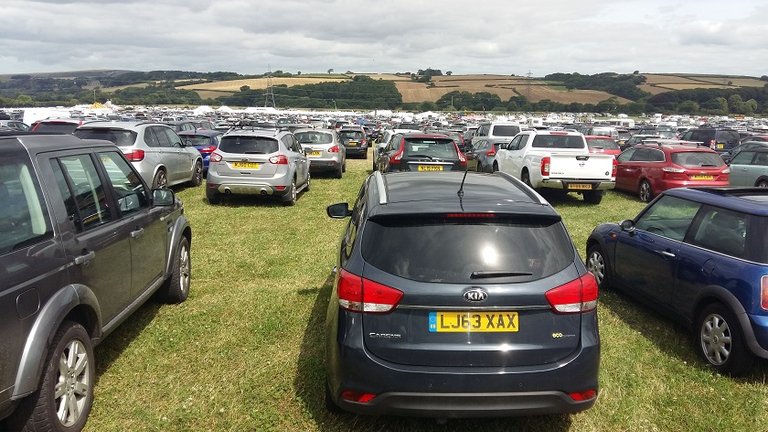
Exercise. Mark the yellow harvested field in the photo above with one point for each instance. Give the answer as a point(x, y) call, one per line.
point(116, 88)
point(739, 82)
point(693, 85)
point(652, 89)
point(258, 83)
point(210, 94)
point(666, 79)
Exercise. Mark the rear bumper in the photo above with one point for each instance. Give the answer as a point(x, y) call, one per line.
point(663, 185)
point(566, 184)
point(356, 150)
point(277, 185)
point(317, 164)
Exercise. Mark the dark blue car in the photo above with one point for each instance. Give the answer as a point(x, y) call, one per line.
point(205, 141)
point(700, 257)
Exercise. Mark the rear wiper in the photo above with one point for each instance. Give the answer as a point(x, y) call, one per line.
point(497, 274)
point(419, 155)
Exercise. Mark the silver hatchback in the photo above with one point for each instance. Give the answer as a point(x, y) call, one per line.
point(257, 162)
point(323, 148)
point(154, 149)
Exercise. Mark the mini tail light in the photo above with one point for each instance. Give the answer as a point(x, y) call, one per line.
point(208, 149)
point(462, 158)
point(279, 160)
point(583, 395)
point(578, 295)
point(615, 168)
point(764, 292)
point(356, 396)
point(545, 165)
point(334, 149)
point(357, 294)
point(215, 157)
point(491, 152)
point(136, 155)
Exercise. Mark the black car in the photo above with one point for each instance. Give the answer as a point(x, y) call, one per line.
point(457, 295)
point(354, 140)
point(717, 138)
point(422, 152)
point(84, 243)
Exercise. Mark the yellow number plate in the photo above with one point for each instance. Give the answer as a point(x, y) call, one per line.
point(720, 145)
point(246, 165)
point(314, 154)
point(467, 322)
point(430, 168)
point(702, 177)
point(580, 186)
point(351, 143)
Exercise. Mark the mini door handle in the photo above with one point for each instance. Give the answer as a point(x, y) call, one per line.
point(138, 233)
point(667, 254)
point(84, 259)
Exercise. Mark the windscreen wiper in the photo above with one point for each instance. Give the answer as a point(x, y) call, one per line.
point(497, 274)
point(420, 155)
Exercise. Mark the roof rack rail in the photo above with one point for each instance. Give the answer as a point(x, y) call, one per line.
point(381, 187)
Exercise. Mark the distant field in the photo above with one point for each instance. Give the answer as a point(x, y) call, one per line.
point(116, 88)
point(660, 83)
point(261, 83)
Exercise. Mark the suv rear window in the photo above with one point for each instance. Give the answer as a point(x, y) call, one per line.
point(439, 250)
point(350, 135)
point(56, 127)
point(120, 137)
point(314, 138)
point(505, 130)
point(697, 159)
point(248, 145)
point(432, 147)
point(558, 141)
point(598, 143)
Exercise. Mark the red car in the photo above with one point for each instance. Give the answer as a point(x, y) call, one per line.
point(602, 145)
point(649, 169)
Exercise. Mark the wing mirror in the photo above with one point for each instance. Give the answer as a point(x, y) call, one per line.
point(338, 211)
point(628, 226)
point(163, 197)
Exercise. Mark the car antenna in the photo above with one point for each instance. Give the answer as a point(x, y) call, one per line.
point(460, 193)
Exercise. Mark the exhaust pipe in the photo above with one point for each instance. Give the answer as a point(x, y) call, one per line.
point(227, 191)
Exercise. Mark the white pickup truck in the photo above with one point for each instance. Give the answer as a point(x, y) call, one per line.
point(558, 160)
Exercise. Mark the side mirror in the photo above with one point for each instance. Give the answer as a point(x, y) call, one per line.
point(628, 225)
point(163, 197)
point(338, 211)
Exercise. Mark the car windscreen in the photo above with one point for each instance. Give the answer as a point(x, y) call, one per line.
point(119, 137)
point(697, 159)
point(505, 130)
point(56, 127)
point(558, 141)
point(604, 144)
point(483, 250)
point(248, 145)
point(197, 140)
point(443, 148)
point(314, 138)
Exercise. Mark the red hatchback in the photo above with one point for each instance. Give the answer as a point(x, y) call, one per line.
point(602, 145)
point(649, 169)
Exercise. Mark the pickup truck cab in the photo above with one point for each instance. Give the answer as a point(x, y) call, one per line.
point(557, 160)
point(84, 243)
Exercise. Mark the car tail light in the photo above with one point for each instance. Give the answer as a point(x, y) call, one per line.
point(279, 160)
point(215, 157)
point(545, 165)
point(726, 171)
point(673, 170)
point(583, 395)
point(491, 152)
point(358, 294)
point(136, 155)
point(398, 155)
point(671, 173)
point(207, 149)
point(363, 142)
point(764, 292)
point(578, 295)
point(614, 170)
point(712, 144)
point(356, 396)
point(462, 158)
point(334, 149)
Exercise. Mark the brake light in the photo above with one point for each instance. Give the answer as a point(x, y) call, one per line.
point(470, 215)
point(578, 295)
point(673, 170)
point(334, 149)
point(363, 142)
point(398, 156)
point(279, 160)
point(614, 170)
point(215, 157)
point(491, 152)
point(356, 396)
point(712, 144)
point(545, 165)
point(136, 155)
point(764, 292)
point(357, 294)
point(462, 158)
point(583, 395)
point(207, 149)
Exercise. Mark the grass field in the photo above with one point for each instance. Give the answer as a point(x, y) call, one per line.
point(261, 83)
point(245, 351)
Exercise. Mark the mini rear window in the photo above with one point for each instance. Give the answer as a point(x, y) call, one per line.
point(439, 250)
point(558, 141)
point(434, 147)
point(248, 145)
point(697, 159)
point(314, 137)
point(119, 137)
point(505, 130)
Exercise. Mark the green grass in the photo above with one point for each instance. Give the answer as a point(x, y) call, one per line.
point(245, 351)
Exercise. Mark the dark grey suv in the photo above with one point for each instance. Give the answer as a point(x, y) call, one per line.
point(459, 299)
point(83, 243)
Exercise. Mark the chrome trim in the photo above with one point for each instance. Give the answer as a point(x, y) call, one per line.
point(381, 187)
point(474, 308)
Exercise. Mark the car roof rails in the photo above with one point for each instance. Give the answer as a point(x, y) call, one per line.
point(381, 187)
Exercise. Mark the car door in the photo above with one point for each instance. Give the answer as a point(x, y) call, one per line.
point(646, 257)
point(741, 169)
point(148, 227)
point(624, 169)
point(100, 246)
point(180, 158)
point(514, 156)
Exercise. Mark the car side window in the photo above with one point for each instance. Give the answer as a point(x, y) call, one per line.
point(668, 217)
point(150, 138)
point(626, 155)
point(515, 144)
point(641, 155)
point(129, 190)
point(743, 158)
point(173, 139)
point(655, 155)
point(24, 218)
point(354, 222)
point(162, 138)
point(761, 159)
point(80, 184)
point(722, 231)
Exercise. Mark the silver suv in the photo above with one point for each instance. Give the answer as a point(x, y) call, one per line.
point(322, 146)
point(258, 162)
point(160, 156)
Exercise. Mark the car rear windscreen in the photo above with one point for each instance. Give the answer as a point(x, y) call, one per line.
point(505, 130)
point(197, 140)
point(56, 127)
point(443, 148)
point(558, 141)
point(605, 144)
point(314, 137)
point(119, 137)
point(697, 159)
point(350, 135)
point(440, 249)
point(248, 145)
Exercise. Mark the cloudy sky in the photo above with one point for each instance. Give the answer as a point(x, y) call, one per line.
point(481, 36)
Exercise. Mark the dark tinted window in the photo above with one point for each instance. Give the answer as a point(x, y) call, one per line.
point(727, 136)
point(248, 144)
point(23, 216)
point(56, 127)
point(84, 184)
point(432, 147)
point(507, 130)
point(120, 137)
point(558, 141)
point(697, 159)
point(440, 250)
point(314, 137)
point(197, 140)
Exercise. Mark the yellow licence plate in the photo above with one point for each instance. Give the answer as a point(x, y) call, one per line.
point(314, 154)
point(720, 145)
point(247, 165)
point(580, 186)
point(702, 177)
point(467, 322)
point(430, 168)
point(351, 143)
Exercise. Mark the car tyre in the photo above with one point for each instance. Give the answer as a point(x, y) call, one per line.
point(597, 264)
point(720, 341)
point(160, 180)
point(593, 197)
point(526, 178)
point(197, 175)
point(289, 198)
point(344, 166)
point(645, 192)
point(339, 172)
point(762, 184)
point(306, 184)
point(495, 167)
point(177, 286)
point(212, 196)
point(69, 370)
